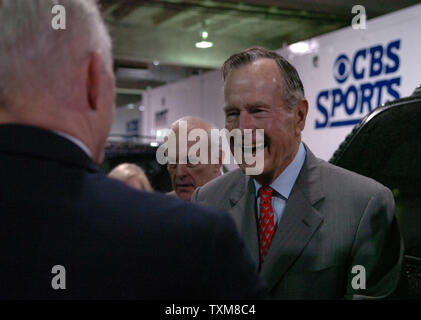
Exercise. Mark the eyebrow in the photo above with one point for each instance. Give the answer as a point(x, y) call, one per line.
point(257, 104)
point(248, 106)
point(229, 108)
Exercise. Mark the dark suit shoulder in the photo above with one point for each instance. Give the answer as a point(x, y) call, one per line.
point(125, 203)
point(216, 190)
point(117, 242)
point(204, 236)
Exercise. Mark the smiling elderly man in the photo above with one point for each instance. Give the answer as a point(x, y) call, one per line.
point(315, 231)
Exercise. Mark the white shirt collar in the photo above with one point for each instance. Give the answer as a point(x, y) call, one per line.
point(285, 181)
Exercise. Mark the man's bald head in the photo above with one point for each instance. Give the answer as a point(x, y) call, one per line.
point(193, 123)
point(187, 177)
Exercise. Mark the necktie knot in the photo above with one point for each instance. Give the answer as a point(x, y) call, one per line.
point(265, 192)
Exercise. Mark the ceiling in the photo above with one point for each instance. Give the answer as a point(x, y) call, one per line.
point(165, 31)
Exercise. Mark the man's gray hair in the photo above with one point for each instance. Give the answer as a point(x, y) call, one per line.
point(32, 51)
point(292, 87)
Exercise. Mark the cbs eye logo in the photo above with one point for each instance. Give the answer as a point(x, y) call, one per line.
point(341, 68)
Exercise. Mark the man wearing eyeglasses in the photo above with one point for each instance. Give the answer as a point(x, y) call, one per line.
point(185, 178)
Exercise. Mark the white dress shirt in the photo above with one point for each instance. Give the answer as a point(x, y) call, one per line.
point(283, 184)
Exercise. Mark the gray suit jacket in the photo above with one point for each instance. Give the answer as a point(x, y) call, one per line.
point(334, 220)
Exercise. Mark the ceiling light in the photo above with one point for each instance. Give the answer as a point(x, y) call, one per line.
point(299, 47)
point(204, 44)
point(155, 63)
point(153, 144)
point(304, 47)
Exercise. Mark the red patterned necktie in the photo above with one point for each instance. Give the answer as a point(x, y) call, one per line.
point(267, 222)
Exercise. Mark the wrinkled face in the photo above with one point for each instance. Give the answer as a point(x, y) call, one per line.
point(185, 178)
point(253, 100)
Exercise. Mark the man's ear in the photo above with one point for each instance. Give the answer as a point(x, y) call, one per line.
point(94, 79)
point(301, 110)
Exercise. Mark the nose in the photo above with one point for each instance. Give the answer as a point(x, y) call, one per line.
point(180, 170)
point(246, 121)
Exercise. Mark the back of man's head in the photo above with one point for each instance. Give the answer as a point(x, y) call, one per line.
point(59, 78)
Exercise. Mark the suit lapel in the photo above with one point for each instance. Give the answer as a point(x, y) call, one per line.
point(299, 222)
point(243, 210)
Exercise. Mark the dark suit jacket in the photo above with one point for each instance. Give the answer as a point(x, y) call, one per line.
point(334, 220)
point(114, 242)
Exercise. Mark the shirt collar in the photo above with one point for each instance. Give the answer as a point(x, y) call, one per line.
point(285, 181)
point(76, 141)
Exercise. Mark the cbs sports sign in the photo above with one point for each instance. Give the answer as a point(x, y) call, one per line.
point(366, 80)
point(348, 73)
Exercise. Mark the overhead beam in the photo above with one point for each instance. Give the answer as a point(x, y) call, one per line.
point(165, 15)
point(292, 36)
point(228, 7)
point(141, 43)
point(197, 19)
point(373, 8)
point(250, 10)
point(125, 7)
